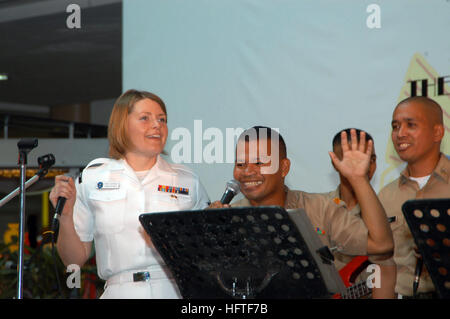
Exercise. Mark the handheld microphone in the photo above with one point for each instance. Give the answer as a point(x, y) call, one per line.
point(417, 274)
point(233, 188)
point(62, 200)
point(55, 222)
point(58, 211)
point(60, 205)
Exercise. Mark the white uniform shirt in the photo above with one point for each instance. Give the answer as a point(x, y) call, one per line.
point(108, 212)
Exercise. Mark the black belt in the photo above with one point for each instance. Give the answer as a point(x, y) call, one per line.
point(130, 276)
point(423, 295)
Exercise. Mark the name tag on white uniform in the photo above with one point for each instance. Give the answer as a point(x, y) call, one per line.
point(108, 185)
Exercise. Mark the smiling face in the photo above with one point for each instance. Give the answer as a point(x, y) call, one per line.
point(146, 129)
point(257, 187)
point(416, 134)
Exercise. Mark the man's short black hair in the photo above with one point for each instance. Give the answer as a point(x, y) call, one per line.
point(270, 134)
point(337, 137)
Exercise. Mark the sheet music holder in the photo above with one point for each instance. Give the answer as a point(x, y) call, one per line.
point(245, 252)
point(429, 222)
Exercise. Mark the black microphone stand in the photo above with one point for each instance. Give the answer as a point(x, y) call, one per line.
point(25, 146)
point(45, 162)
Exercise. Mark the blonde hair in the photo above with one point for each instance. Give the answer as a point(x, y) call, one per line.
point(119, 142)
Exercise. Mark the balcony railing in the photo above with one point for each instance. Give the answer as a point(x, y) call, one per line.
point(18, 126)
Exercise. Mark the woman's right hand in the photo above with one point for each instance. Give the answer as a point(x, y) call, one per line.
point(64, 187)
point(218, 204)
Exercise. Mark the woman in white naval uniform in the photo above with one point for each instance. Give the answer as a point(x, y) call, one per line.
point(104, 204)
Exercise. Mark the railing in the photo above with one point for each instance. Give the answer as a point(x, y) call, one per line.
point(73, 144)
point(18, 126)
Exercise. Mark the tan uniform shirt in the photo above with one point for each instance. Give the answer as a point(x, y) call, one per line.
point(335, 226)
point(393, 196)
point(340, 260)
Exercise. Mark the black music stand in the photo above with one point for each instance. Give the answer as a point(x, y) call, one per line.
point(248, 252)
point(429, 222)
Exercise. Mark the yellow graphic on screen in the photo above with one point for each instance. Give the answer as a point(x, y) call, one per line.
point(419, 70)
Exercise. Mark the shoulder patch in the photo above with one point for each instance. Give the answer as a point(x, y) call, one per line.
point(97, 162)
point(95, 165)
point(184, 169)
point(180, 167)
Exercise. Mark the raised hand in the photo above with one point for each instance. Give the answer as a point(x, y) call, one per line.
point(355, 156)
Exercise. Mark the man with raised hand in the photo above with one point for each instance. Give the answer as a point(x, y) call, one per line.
point(345, 194)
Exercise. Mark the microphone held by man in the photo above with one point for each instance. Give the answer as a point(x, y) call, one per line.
point(231, 190)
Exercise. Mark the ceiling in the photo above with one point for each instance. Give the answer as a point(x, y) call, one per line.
point(49, 64)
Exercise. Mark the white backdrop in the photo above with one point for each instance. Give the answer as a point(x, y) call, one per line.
point(309, 68)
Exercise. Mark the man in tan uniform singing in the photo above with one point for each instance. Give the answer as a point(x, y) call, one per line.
point(336, 228)
point(417, 132)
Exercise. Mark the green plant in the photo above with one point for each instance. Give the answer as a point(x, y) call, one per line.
point(39, 275)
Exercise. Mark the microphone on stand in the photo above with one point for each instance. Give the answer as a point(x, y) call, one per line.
point(27, 144)
point(232, 189)
point(45, 162)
